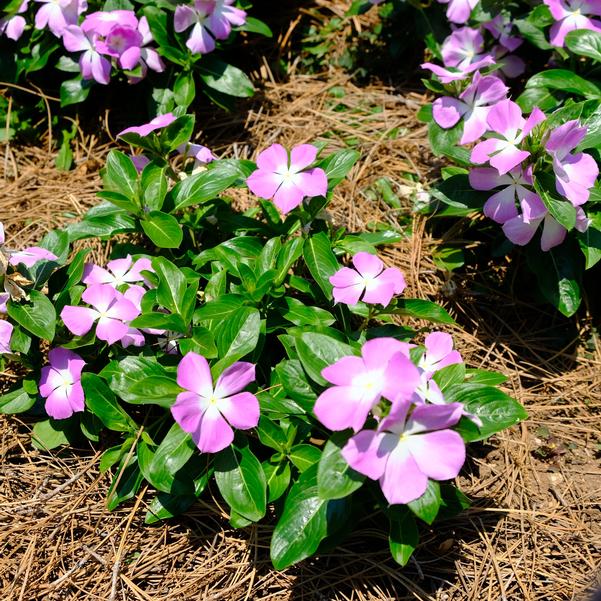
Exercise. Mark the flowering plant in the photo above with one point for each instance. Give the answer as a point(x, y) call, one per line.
point(237, 348)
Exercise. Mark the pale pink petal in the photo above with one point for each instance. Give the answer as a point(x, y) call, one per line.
point(401, 378)
point(519, 232)
point(79, 320)
point(482, 151)
point(100, 296)
point(344, 277)
point(214, 434)
point(194, 374)
point(438, 345)
point(302, 156)
point(110, 330)
point(274, 159)
point(447, 111)
point(501, 206)
point(378, 291)
point(241, 410)
point(508, 158)
point(187, 410)
point(264, 183)
point(368, 265)
point(487, 178)
point(402, 481)
point(288, 197)
point(367, 452)
point(340, 407)
point(57, 404)
point(553, 234)
point(349, 295)
point(344, 370)
point(426, 418)
point(234, 379)
point(505, 117)
point(185, 16)
point(536, 117)
point(475, 125)
point(377, 352)
point(93, 274)
point(439, 455)
point(313, 182)
point(395, 277)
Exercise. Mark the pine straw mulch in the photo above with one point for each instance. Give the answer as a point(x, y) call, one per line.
point(534, 531)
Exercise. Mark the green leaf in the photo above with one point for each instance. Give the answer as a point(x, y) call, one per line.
point(301, 315)
point(290, 253)
point(154, 186)
point(294, 381)
point(303, 456)
point(271, 435)
point(422, 309)
point(481, 376)
point(157, 21)
point(278, 479)
point(220, 309)
point(102, 402)
point(16, 401)
point(37, 316)
point(564, 80)
point(317, 351)
point(237, 337)
point(125, 484)
point(160, 321)
point(74, 91)
point(225, 78)
point(321, 261)
point(458, 196)
point(562, 210)
point(176, 133)
point(590, 241)
point(120, 175)
point(162, 229)
point(585, 43)
point(241, 481)
point(335, 478)
point(155, 390)
point(446, 142)
point(200, 188)
point(253, 25)
point(404, 536)
point(184, 89)
point(542, 97)
point(427, 506)
point(338, 165)
point(102, 221)
point(50, 433)
point(165, 506)
point(172, 285)
point(450, 375)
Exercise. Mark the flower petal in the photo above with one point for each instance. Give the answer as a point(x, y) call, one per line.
point(194, 374)
point(241, 410)
point(367, 452)
point(402, 481)
point(274, 159)
point(439, 455)
point(234, 379)
point(302, 156)
point(79, 320)
point(214, 434)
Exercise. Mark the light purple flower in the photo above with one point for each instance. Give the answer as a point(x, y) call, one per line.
point(92, 64)
point(510, 65)
point(405, 451)
point(102, 21)
point(383, 370)
point(13, 27)
point(111, 309)
point(208, 413)
point(286, 179)
point(58, 14)
point(462, 48)
point(157, 123)
point(500, 27)
point(459, 11)
point(148, 57)
point(223, 16)
point(370, 281)
point(60, 383)
point(30, 256)
point(117, 272)
point(200, 40)
point(502, 205)
point(6, 331)
point(140, 161)
point(452, 74)
point(202, 155)
point(575, 174)
point(473, 104)
point(570, 15)
point(439, 353)
point(4, 298)
point(509, 128)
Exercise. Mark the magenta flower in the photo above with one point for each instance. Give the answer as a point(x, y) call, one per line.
point(439, 353)
point(6, 331)
point(30, 256)
point(370, 279)
point(459, 11)
point(473, 104)
point(208, 413)
point(405, 451)
point(202, 155)
point(200, 40)
point(111, 309)
point(575, 174)
point(60, 383)
point(383, 370)
point(157, 123)
point(501, 206)
point(286, 179)
point(102, 21)
point(570, 15)
point(449, 75)
point(223, 16)
point(13, 27)
point(509, 128)
point(464, 47)
point(58, 14)
point(117, 272)
point(92, 64)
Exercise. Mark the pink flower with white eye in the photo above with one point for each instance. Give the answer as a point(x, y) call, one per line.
point(200, 40)
point(92, 64)
point(223, 16)
point(101, 22)
point(13, 27)
point(117, 272)
point(459, 11)
point(462, 48)
point(509, 128)
point(148, 58)
point(500, 27)
point(408, 448)
point(111, 309)
point(133, 336)
point(452, 74)
point(370, 281)
point(58, 14)
point(575, 174)
point(502, 205)
point(473, 104)
point(30, 256)
point(286, 179)
point(383, 370)
point(144, 130)
point(570, 15)
point(208, 413)
point(60, 383)
point(6, 331)
point(439, 353)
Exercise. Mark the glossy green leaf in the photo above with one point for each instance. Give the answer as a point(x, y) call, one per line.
point(317, 351)
point(321, 261)
point(303, 456)
point(37, 315)
point(162, 229)
point(101, 402)
point(428, 505)
point(404, 536)
point(335, 478)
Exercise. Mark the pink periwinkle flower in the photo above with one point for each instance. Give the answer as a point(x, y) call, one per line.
point(570, 15)
point(13, 27)
point(60, 383)
point(111, 309)
point(117, 272)
point(459, 11)
point(223, 16)
point(408, 448)
point(200, 40)
point(30, 256)
point(92, 64)
point(502, 205)
point(208, 413)
point(464, 47)
point(157, 123)
point(58, 14)
point(575, 174)
point(473, 104)
point(369, 281)
point(286, 179)
point(505, 121)
point(202, 155)
point(6, 331)
point(501, 27)
point(140, 161)
point(101, 22)
point(4, 298)
point(383, 370)
point(439, 353)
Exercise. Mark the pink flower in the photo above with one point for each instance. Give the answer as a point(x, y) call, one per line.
point(157, 123)
point(370, 279)
point(30, 256)
point(439, 353)
point(2, 234)
point(101, 22)
point(453, 74)
point(57, 14)
point(140, 161)
point(223, 16)
point(405, 451)
point(110, 308)
point(501, 206)
point(459, 11)
point(570, 15)
point(60, 383)
point(200, 41)
point(208, 413)
point(6, 331)
point(92, 64)
point(464, 47)
point(500, 27)
point(13, 27)
point(4, 298)
point(118, 272)
point(286, 179)
point(383, 370)
point(202, 155)
point(473, 104)
point(575, 174)
point(510, 128)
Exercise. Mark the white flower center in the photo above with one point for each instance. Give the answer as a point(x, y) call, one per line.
point(370, 382)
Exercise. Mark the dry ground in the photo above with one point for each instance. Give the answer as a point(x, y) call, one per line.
point(534, 532)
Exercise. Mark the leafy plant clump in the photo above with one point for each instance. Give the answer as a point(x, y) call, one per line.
point(244, 348)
